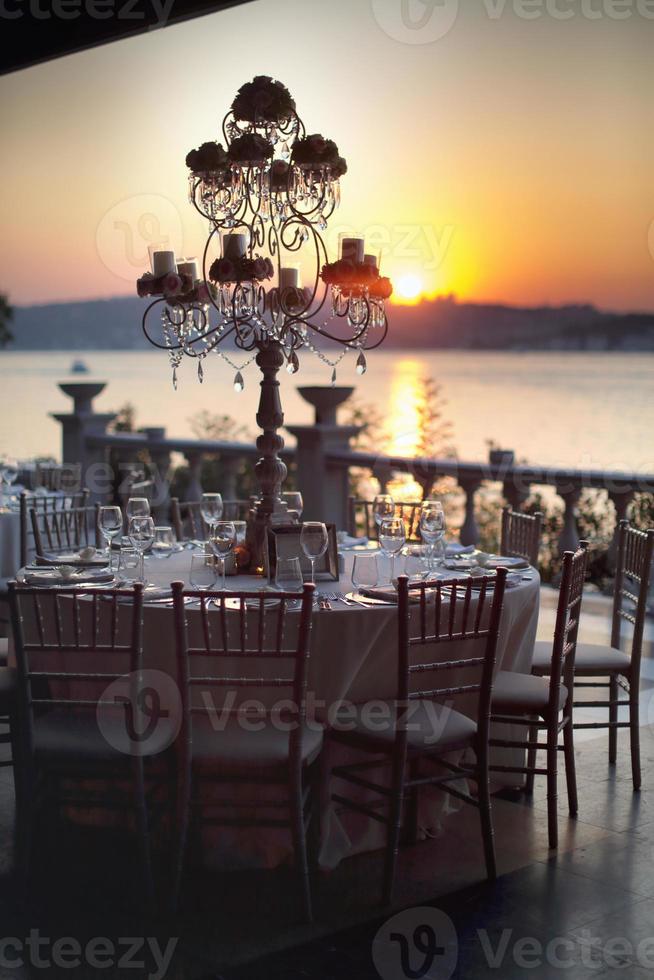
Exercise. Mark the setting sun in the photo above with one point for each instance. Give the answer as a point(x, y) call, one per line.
point(409, 287)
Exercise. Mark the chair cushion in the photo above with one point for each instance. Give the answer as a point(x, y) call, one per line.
point(522, 694)
point(235, 748)
point(590, 659)
point(74, 736)
point(430, 727)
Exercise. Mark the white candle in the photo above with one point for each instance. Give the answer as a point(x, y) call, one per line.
point(370, 260)
point(163, 263)
point(352, 249)
point(189, 267)
point(235, 245)
point(289, 276)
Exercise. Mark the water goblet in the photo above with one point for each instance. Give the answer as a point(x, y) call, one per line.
point(432, 527)
point(365, 572)
point(110, 523)
point(294, 501)
point(163, 542)
point(392, 538)
point(383, 506)
point(141, 535)
point(137, 507)
point(211, 508)
point(203, 571)
point(129, 565)
point(222, 540)
point(314, 541)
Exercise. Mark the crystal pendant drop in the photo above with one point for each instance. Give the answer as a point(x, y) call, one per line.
point(284, 152)
point(361, 363)
point(200, 372)
point(175, 378)
point(333, 377)
point(239, 383)
point(293, 365)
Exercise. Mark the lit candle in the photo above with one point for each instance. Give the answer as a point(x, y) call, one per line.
point(288, 277)
point(352, 249)
point(163, 263)
point(235, 245)
point(188, 267)
point(370, 260)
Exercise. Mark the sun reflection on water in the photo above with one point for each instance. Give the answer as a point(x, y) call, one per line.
point(406, 404)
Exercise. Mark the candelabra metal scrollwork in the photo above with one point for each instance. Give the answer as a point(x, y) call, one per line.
point(267, 195)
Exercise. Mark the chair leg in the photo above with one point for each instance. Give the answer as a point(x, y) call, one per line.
point(531, 760)
point(552, 781)
point(143, 828)
point(634, 735)
point(300, 847)
point(486, 818)
point(570, 767)
point(613, 717)
point(394, 825)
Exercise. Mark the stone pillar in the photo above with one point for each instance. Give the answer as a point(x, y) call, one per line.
point(76, 427)
point(621, 500)
point(569, 537)
point(469, 529)
point(194, 490)
point(325, 489)
point(160, 456)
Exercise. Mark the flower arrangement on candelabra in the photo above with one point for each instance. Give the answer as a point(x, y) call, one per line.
point(267, 195)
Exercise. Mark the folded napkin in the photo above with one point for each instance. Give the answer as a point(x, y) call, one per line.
point(52, 576)
point(454, 548)
point(86, 558)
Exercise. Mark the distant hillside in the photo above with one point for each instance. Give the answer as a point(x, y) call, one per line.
point(115, 324)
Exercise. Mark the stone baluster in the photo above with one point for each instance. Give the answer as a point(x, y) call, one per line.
point(77, 426)
point(469, 529)
point(229, 467)
point(569, 537)
point(194, 489)
point(160, 456)
point(621, 500)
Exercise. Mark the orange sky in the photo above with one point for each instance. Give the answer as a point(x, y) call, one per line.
point(509, 159)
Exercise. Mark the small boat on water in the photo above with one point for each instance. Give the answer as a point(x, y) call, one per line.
point(79, 367)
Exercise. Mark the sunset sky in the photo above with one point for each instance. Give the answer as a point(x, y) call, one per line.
point(510, 159)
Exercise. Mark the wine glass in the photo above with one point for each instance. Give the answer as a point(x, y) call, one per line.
point(211, 508)
point(137, 507)
point(288, 575)
point(314, 541)
point(203, 571)
point(392, 538)
point(141, 534)
point(129, 565)
point(365, 572)
point(383, 506)
point(163, 543)
point(9, 473)
point(110, 523)
point(222, 540)
point(432, 527)
point(294, 501)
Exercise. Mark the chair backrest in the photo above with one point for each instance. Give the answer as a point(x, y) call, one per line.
point(361, 518)
point(188, 524)
point(448, 611)
point(66, 642)
point(254, 639)
point(47, 503)
point(59, 476)
point(566, 629)
point(59, 531)
point(520, 536)
point(632, 579)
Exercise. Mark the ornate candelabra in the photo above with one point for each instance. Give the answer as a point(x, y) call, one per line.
point(267, 195)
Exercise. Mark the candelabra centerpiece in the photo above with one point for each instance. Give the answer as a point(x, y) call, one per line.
point(265, 287)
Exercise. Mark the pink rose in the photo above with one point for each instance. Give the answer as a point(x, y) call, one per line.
point(317, 144)
point(262, 99)
point(259, 268)
point(172, 284)
point(203, 293)
point(222, 270)
point(270, 269)
point(145, 284)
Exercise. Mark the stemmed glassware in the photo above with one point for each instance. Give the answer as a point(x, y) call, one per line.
point(222, 540)
point(365, 572)
point(110, 523)
point(203, 571)
point(295, 502)
point(211, 508)
point(392, 538)
point(8, 474)
point(383, 506)
point(288, 575)
point(163, 543)
point(313, 541)
point(141, 534)
point(137, 507)
point(432, 527)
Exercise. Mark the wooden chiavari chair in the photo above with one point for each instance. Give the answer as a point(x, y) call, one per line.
point(187, 520)
point(61, 531)
point(283, 756)
point(520, 536)
point(69, 648)
point(547, 705)
point(361, 518)
point(612, 668)
point(46, 503)
point(411, 739)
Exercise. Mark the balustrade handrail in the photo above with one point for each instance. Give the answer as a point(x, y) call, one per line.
point(143, 440)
